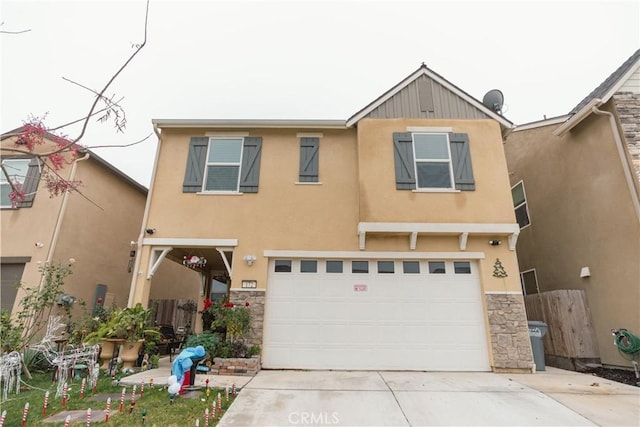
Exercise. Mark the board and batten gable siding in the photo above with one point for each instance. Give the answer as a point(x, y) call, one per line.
point(632, 84)
point(427, 99)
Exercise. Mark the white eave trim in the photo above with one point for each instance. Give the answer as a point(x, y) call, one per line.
point(425, 71)
point(462, 230)
point(578, 117)
point(218, 243)
point(371, 255)
point(541, 123)
point(248, 123)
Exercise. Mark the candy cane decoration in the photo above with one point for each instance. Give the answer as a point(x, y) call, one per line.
point(2, 417)
point(24, 414)
point(233, 390)
point(151, 383)
point(64, 395)
point(206, 417)
point(122, 399)
point(82, 386)
point(67, 421)
point(213, 411)
point(197, 422)
point(89, 417)
point(133, 395)
point(142, 389)
point(46, 403)
point(219, 403)
point(107, 412)
point(226, 394)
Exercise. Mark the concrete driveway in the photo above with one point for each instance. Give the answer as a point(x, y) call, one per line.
point(364, 398)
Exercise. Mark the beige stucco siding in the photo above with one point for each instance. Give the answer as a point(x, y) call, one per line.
point(581, 216)
point(381, 202)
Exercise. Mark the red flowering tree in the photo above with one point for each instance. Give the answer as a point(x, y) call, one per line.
point(52, 149)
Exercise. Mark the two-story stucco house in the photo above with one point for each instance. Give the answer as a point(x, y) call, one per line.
point(376, 242)
point(576, 182)
point(93, 226)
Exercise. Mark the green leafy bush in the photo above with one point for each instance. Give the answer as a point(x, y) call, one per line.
point(207, 339)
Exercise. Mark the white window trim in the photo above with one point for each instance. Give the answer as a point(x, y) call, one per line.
point(452, 188)
point(524, 193)
point(307, 183)
point(20, 179)
point(207, 164)
point(535, 275)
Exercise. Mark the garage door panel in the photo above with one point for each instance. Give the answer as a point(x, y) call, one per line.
point(398, 321)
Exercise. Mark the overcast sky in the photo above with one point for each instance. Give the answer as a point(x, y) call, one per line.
point(296, 59)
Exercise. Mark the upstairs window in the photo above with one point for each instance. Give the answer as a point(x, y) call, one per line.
point(433, 161)
point(25, 175)
point(223, 164)
point(520, 204)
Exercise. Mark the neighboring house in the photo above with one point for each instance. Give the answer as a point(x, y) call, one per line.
point(370, 243)
point(576, 186)
point(95, 227)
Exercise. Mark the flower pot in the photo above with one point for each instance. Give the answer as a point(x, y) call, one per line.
point(108, 351)
point(129, 353)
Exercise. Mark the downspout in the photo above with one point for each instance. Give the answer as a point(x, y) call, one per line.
point(629, 177)
point(61, 212)
point(143, 225)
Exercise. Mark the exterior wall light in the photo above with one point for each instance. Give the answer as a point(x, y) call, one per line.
point(249, 258)
point(495, 242)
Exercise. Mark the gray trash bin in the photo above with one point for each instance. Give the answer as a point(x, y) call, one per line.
point(537, 330)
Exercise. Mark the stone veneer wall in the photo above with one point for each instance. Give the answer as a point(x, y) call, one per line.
point(256, 305)
point(509, 333)
point(243, 367)
point(628, 107)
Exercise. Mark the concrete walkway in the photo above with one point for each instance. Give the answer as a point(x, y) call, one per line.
point(161, 375)
point(363, 398)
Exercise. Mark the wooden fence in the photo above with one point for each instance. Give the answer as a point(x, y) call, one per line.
point(570, 330)
point(172, 312)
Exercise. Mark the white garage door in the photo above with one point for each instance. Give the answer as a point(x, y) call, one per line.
point(372, 314)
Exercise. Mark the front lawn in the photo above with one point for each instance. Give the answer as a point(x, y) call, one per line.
point(159, 412)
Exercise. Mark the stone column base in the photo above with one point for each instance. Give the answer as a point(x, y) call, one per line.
point(509, 332)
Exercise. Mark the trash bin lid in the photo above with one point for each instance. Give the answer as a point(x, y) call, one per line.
point(537, 328)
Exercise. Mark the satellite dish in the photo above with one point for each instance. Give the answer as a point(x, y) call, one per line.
point(493, 100)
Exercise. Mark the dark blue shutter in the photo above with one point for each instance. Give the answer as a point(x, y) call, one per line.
point(309, 159)
point(250, 169)
point(403, 157)
point(196, 161)
point(461, 162)
point(31, 181)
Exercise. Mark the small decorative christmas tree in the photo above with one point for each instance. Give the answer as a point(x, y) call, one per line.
point(498, 269)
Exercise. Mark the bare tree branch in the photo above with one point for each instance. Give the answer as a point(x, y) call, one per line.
point(14, 32)
point(123, 145)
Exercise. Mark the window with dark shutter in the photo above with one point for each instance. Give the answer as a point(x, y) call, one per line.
point(223, 164)
point(23, 173)
point(426, 161)
point(309, 148)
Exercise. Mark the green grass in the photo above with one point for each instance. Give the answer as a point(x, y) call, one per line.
point(160, 413)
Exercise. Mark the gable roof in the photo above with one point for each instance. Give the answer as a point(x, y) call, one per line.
point(607, 88)
point(92, 155)
point(423, 70)
point(601, 94)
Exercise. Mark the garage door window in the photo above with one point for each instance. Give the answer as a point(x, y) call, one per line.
point(283, 266)
point(386, 267)
point(411, 267)
point(359, 266)
point(462, 267)
point(308, 266)
point(334, 266)
point(436, 267)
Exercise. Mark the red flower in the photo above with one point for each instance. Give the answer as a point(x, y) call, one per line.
point(228, 304)
point(207, 303)
point(246, 304)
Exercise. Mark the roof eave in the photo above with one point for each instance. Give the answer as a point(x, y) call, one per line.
point(578, 117)
point(248, 123)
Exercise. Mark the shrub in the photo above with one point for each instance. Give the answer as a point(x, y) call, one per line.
point(207, 339)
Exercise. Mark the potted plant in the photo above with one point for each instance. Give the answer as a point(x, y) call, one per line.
point(128, 328)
